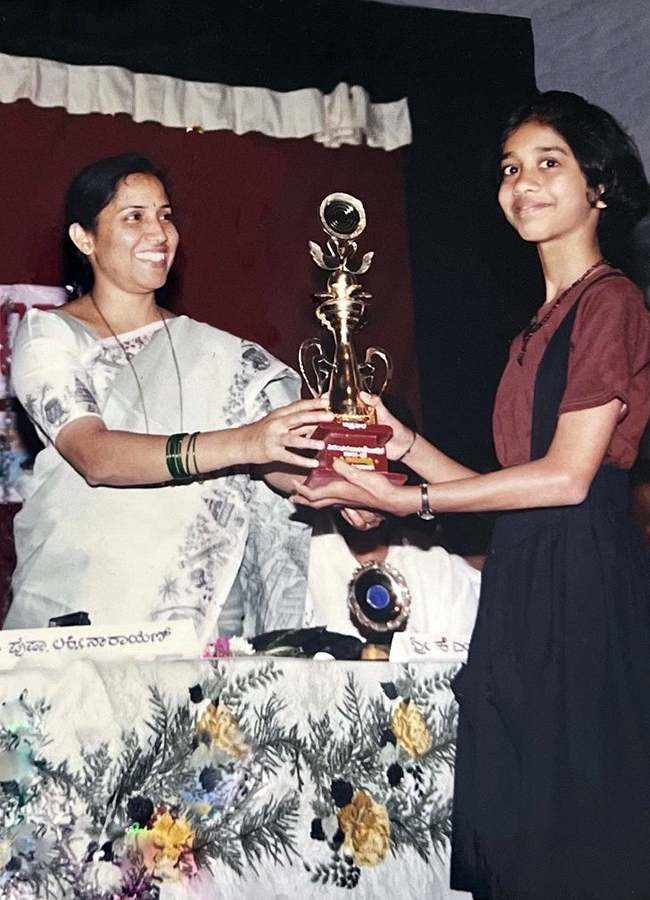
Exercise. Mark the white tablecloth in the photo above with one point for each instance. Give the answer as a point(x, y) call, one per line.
point(271, 778)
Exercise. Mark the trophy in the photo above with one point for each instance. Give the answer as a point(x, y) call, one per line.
point(354, 435)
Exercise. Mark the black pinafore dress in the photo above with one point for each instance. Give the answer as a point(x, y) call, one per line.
point(552, 782)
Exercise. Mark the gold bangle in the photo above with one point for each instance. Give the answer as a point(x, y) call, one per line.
point(194, 439)
point(190, 449)
point(409, 448)
point(187, 456)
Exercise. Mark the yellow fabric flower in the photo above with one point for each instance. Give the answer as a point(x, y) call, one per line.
point(171, 836)
point(408, 725)
point(366, 827)
point(220, 726)
point(167, 871)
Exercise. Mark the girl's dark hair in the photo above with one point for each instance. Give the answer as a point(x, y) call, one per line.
point(90, 191)
point(606, 154)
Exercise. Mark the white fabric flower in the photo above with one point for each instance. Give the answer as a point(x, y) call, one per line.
point(239, 646)
point(103, 876)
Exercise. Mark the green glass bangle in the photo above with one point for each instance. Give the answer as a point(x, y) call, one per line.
point(173, 456)
point(177, 457)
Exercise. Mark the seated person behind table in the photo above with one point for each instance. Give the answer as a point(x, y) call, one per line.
point(444, 588)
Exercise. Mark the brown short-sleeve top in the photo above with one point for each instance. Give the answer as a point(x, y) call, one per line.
point(609, 357)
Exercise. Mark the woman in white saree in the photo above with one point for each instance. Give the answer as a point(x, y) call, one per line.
point(143, 504)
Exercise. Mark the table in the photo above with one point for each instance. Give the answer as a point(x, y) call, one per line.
point(260, 777)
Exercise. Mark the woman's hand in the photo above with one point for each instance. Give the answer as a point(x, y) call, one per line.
point(403, 436)
point(359, 489)
point(268, 439)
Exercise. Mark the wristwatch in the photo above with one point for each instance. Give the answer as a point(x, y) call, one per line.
point(425, 511)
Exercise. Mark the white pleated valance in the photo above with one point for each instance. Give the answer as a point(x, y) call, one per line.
point(346, 116)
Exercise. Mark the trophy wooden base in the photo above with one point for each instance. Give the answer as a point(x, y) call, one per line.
point(355, 443)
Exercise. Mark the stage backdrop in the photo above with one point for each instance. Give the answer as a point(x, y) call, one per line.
point(259, 109)
point(245, 208)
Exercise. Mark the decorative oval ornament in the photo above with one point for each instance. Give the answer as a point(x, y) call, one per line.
point(379, 598)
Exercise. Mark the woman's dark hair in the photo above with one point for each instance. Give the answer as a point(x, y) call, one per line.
point(606, 154)
point(90, 191)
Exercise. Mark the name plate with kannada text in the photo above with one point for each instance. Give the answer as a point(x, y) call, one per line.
point(56, 646)
point(408, 646)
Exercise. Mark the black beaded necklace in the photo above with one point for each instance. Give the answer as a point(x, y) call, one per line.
point(535, 325)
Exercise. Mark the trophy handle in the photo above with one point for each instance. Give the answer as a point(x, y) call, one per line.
point(315, 367)
point(373, 383)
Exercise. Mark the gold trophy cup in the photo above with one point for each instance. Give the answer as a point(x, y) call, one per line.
point(354, 435)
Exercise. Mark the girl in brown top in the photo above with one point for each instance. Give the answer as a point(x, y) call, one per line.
point(552, 797)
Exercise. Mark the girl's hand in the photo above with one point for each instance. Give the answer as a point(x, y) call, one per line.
point(362, 519)
point(268, 439)
point(402, 437)
point(360, 489)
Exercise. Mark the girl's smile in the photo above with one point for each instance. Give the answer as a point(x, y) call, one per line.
point(544, 193)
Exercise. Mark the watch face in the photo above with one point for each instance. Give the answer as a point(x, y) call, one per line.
point(379, 598)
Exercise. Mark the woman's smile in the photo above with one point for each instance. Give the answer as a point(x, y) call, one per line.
point(157, 259)
point(135, 241)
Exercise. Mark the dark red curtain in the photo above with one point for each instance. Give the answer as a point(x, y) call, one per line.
point(245, 207)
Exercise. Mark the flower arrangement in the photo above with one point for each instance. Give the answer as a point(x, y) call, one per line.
point(185, 794)
point(377, 789)
point(151, 823)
